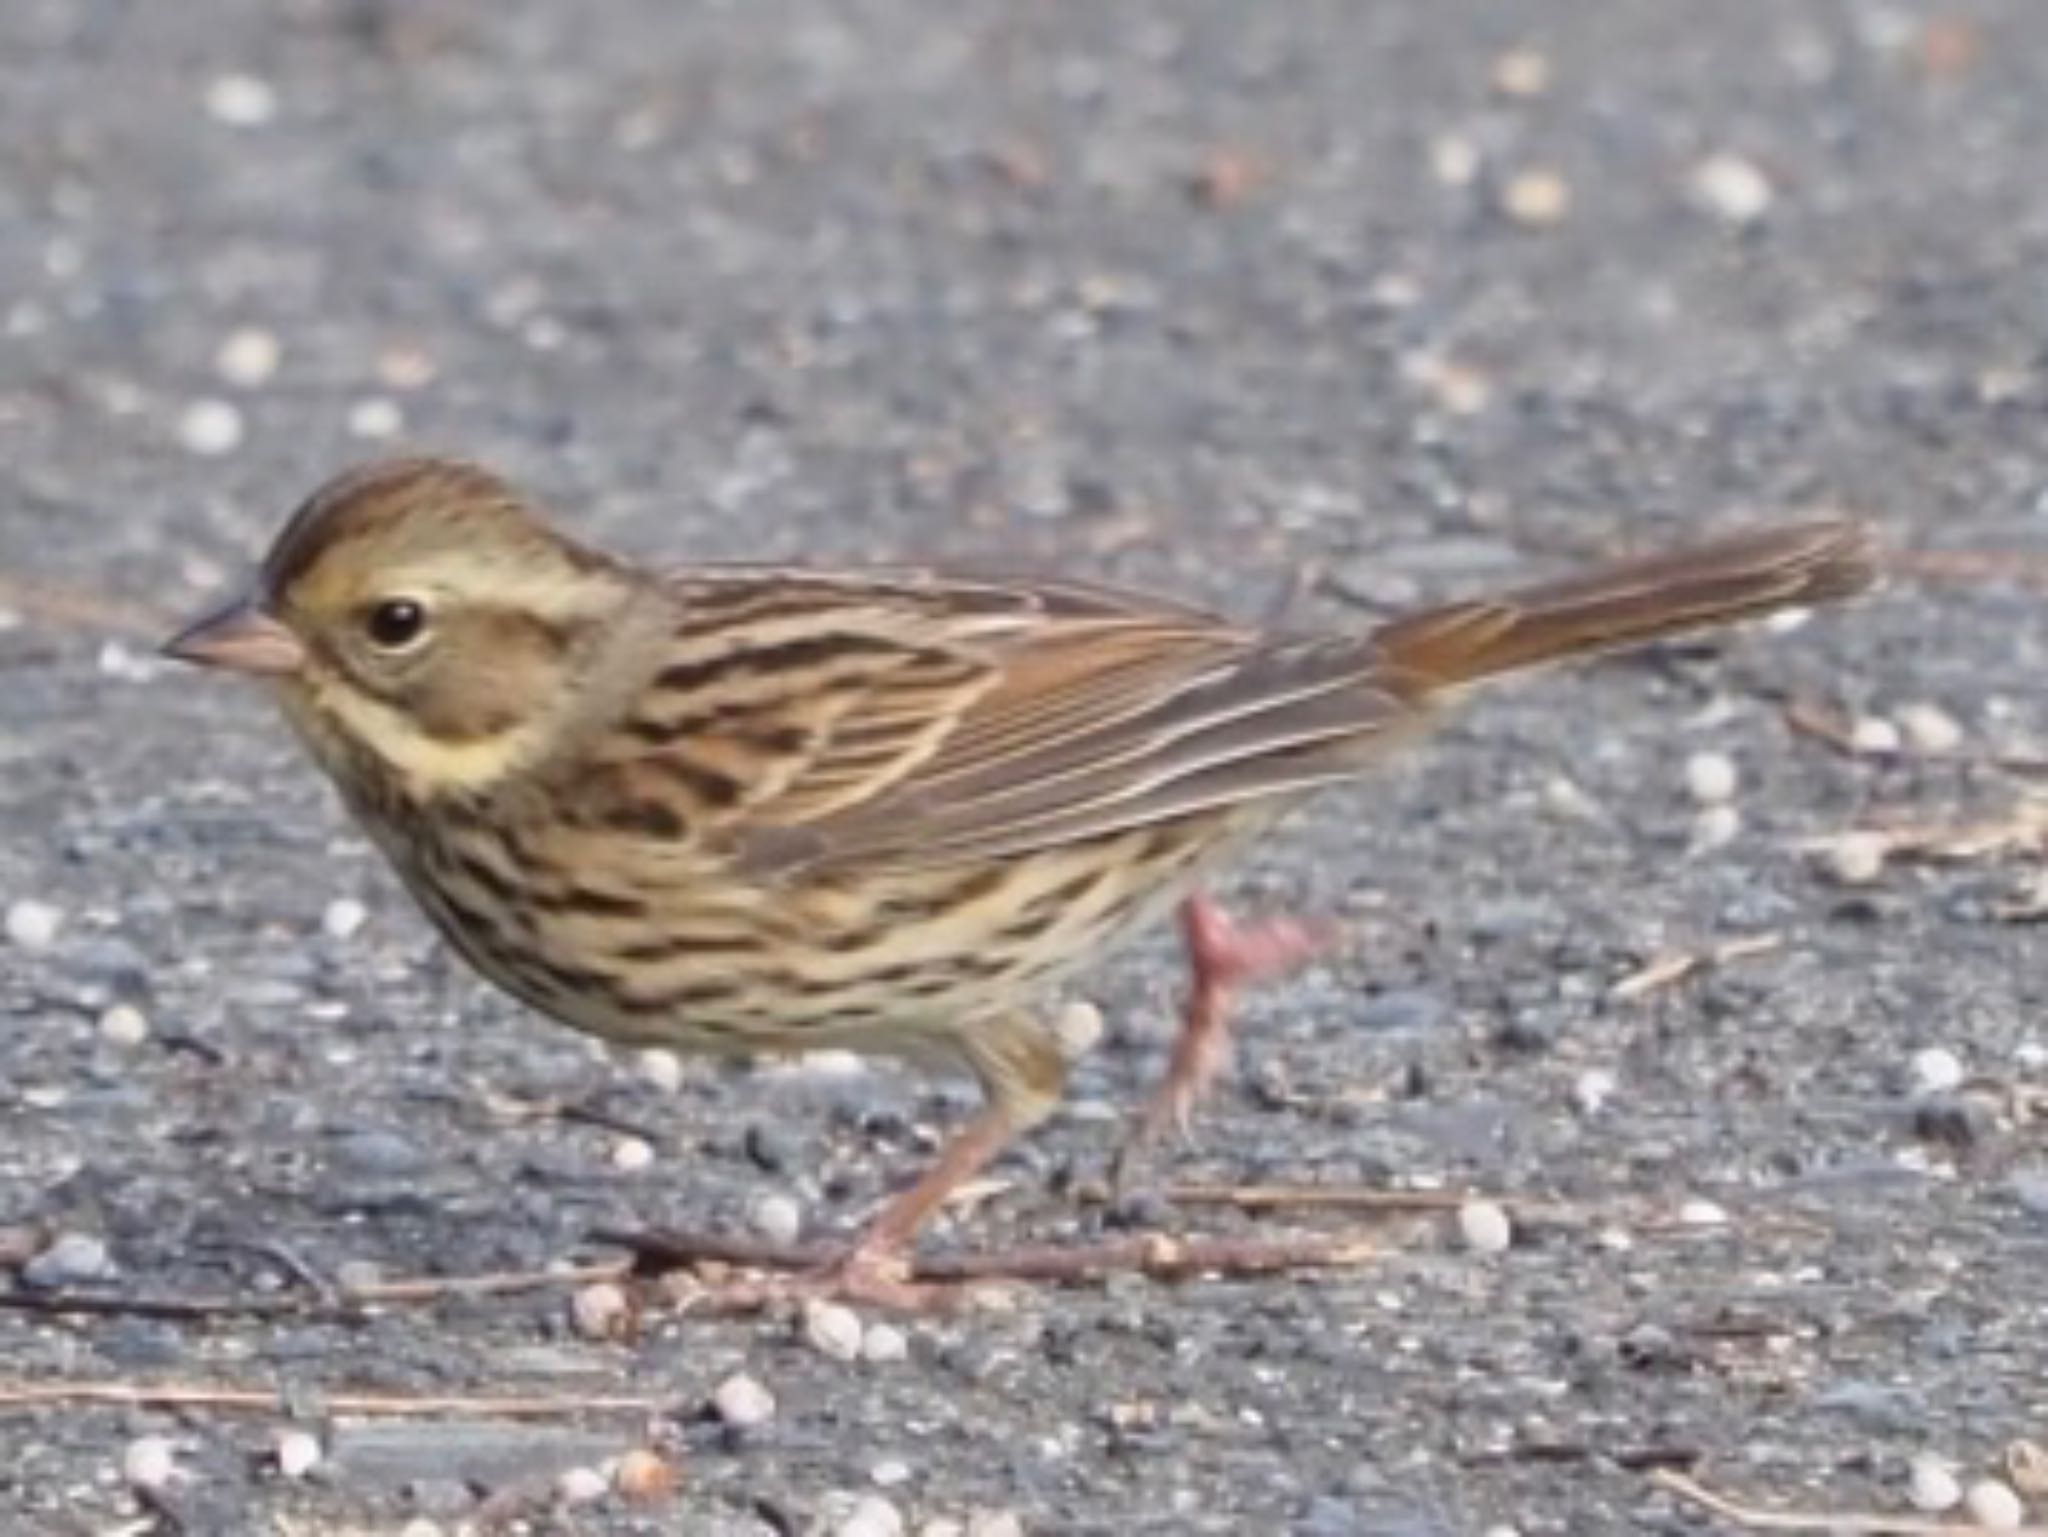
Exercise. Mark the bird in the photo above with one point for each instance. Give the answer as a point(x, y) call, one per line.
point(758, 808)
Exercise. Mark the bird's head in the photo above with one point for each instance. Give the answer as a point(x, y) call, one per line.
point(421, 613)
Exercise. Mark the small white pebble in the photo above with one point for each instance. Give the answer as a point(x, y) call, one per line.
point(69, 1259)
point(33, 925)
point(1714, 827)
point(742, 1403)
point(994, 1523)
point(1711, 778)
point(1536, 199)
point(662, 1068)
point(1521, 73)
point(872, 1516)
point(884, 1344)
point(150, 1462)
point(344, 917)
point(1915, 1158)
point(601, 1310)
point(1874, 737)
point(1077, 1028)
point(1930, 728)
point(297, 1453)
point(1500, 1531)
point(405, 368)
point(117, 661)
point(776, 1217)
point(248, 357)
point(1592, 1089)
point(1855, 858)
point(2026, 1468)
point(1454, 160)
point(1564, 797)
point(1394, 291)
point(1731, 189)
point(1456, 387)
point(833, 1063)
point(1993, 1506)
point(1485, 1227)
point(1931, 1485)
point(890, 1473)
point(210, 428)
point(420, 1526)
point(1935, 1070)
point(124, 1025)
point(375, 418)
point(942, 1526)
point(632, 1154)
point(241, 101)
point(833, 1330)
point(1786, 620)
point(582, 1486)
point(1700, 1212)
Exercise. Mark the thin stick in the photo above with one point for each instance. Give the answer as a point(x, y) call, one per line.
point(177, 1395)
point(1155, 1255)
point(341, 1302)
point(1874, 1524)
point(1810, 718)
point(1335, 1197)
point(1633, 1459)
point(1677, 965)
point(179, 1309)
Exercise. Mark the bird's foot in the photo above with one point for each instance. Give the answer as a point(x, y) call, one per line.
point(1224, 957)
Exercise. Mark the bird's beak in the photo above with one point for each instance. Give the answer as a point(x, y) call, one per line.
point(240, 638)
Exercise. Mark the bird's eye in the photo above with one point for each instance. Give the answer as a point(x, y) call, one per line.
point(395, 623)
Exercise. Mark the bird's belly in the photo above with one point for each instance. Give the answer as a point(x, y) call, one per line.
point(893, 961)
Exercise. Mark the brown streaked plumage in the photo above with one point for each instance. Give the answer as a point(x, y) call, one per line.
point(755, 808)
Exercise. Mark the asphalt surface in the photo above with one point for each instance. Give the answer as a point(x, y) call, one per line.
point(1304, 308)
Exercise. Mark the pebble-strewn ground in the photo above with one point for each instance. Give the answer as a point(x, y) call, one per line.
point(1319, 304)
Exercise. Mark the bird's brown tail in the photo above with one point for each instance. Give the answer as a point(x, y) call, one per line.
point(1739, 577)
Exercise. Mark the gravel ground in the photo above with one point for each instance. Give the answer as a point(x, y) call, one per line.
point(1315, 305)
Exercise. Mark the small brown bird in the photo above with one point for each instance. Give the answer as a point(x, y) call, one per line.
point(748, 809)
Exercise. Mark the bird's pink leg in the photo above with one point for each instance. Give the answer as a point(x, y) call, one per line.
point(1224, 957)
point(876, 1268)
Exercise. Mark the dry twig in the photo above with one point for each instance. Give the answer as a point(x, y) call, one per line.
point(1333, 1197)
point(1676, 965)
point(1158, 1256)
point(181, 1395)
point(339, 1301)
point(1753, 1518)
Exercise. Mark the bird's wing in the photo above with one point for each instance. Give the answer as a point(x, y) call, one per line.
point(815, 721)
